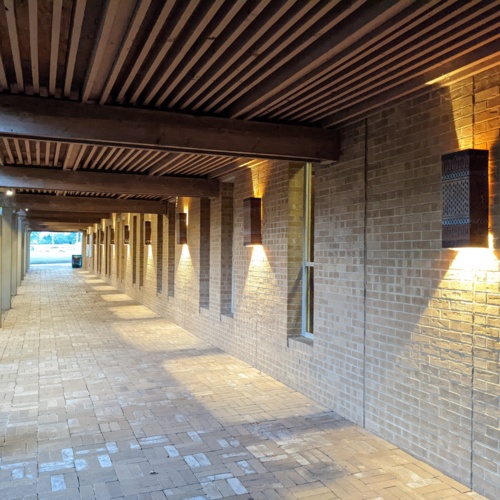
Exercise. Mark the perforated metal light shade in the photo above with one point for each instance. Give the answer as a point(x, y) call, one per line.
point(465, 199)
point(252, 222)
point(181, 229)
point(147, 232)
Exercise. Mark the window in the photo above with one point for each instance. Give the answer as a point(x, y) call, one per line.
point(308, 254)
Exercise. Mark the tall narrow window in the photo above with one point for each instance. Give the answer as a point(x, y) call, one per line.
point(134, 250)
point(141, 250)
point(308, 257)
point(226, 235)
point(171, 249)
point(159, 253)
point(204, 253)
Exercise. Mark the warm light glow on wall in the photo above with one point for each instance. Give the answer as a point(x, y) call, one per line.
point(258, 256)
point(185, 255)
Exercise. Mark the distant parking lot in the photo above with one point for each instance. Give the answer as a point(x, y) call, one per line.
point(53, 254)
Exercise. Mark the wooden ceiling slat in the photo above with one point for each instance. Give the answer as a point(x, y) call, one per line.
point(9, 150)
point(382, 37)
point(403, 50)
point(77, 22)
point(67, 157)
point(47, 154)
point(79, 156)
point(130, 160)
point(126, 154)
point(89, 157)
point(54, 44)
point(191, 163)
point(238, 25)
point(358, 19)
point(133, 30)
point(220, 22)
point(163, 162)
point(182, 45)
point(18, 152)
point(319, 19)
point(33, 30)
point(178, 160)
point(153, 35)
point(177, 24)
point(3, 77)
point(106, 158)
point(147, 160)
point(56, 154)
point(485, 54)
point(204, 165)
point(37, 153)
point(101, 151)
point(100, 46)
point(280, 36)
point(408, 68)
point(27, 148)
point(10, 15)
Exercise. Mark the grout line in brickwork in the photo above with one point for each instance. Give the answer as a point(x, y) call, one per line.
point(365, 216)
point(472, 382)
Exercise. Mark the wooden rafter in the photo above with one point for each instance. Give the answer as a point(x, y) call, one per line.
point(69, 180)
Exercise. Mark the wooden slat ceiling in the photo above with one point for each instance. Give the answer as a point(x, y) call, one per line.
point(316, 63)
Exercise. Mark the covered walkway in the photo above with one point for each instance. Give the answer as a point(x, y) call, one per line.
point(100, 398)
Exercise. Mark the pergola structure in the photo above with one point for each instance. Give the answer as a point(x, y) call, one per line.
point(111, 111)
point(95, 94)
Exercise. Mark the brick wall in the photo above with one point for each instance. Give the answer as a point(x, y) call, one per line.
point(406, 333)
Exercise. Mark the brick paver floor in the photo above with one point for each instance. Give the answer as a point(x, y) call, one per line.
point(100, 398)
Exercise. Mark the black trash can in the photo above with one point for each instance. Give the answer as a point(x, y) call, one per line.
point(76, 261)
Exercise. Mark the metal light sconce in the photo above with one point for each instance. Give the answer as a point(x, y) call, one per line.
point(465, 199)
point(111, 236)
point(126, 235)
point(181, 229)
point(147, 232)
point(252, 222)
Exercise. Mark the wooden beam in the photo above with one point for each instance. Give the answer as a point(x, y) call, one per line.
point(55, 179)
point(61, 217)
point(37, 118)
point(82, 204)
point(58, 226)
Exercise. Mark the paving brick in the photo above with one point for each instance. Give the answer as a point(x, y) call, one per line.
point(147, 380)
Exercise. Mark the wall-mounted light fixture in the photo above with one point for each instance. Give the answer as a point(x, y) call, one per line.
point(10, 192)
point(111, 235)
point(252, 225)
point(181, 228)
point(465, 199)
point(147, 232)
point(126, 234)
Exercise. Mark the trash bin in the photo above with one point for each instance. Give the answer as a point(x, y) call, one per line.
point(76, 261)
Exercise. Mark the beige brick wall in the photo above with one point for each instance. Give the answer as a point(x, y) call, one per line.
point(406, 333)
